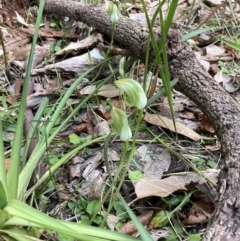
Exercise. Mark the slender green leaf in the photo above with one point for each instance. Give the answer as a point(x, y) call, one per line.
point(233, 11)
point(19, 234)
point(26, 173)
point(75, 230)
point(165, 74)
point(16, 221)
point(170, 15)
point(13, 173)
point(229, 43)
point(141, 229)
point(63, 160)
point(199, 31)
point(4, 217)
point(5, 237)
point(3, 196)
point(3, 177)
point(41, 147)
point(160, 49)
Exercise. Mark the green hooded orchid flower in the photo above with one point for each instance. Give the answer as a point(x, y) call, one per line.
point(135, 95)
point(120, 124)
point(113, 12)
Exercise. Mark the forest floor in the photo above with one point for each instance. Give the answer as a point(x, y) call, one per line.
point(170, 179)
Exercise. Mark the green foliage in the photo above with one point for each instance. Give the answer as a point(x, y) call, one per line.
point(135, 175)
point(203, 164)
point(172, 236)
point(120, 210)
point(160, 220)
point(191, 34)
point(75, 139)
point(62, 237)
point(58, 46)
point(212, 164)
point(15, 214)
point(85, 219)
point(231, 68)
point(73, 230)
point(194, 237)
point(161, 61)
point(93, 207)
point(78, 206)
point(174, 200)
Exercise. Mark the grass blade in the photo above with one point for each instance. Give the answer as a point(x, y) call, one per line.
point(13, 173)
point(3, 177)
point(75, 230)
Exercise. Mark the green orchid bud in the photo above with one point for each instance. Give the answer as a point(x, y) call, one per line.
point(120, 124)
point(135, 95)
point(113, 12)
point(121, 67)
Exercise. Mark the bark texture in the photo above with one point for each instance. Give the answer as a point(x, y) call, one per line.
point(194, 82)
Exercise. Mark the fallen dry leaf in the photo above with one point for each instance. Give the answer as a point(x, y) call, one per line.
point(80, 127)
point(215, 147)
point(92, 189)
point(111, 219)
point(158, 233)
point(214, 50)
point(63, 194)
point(164, 122)
point(102, 128)
point(154, 187)
point(196, 213)
point(130, 227)
point(46, 32)
point(7, 163)
point(74, 66)
point(218, 77)
point(188, 115)
point(162, 188)
point(203, 39)
point(21, 53)
point(75, 167)
point(90, 125)
point(118, 103)
point(86, 43)
point(211, 174)
point(21, 20)
point(206, 124)
point(226, 81)
point(153, 167)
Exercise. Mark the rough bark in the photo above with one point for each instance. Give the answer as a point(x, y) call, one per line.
point(194, 82)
